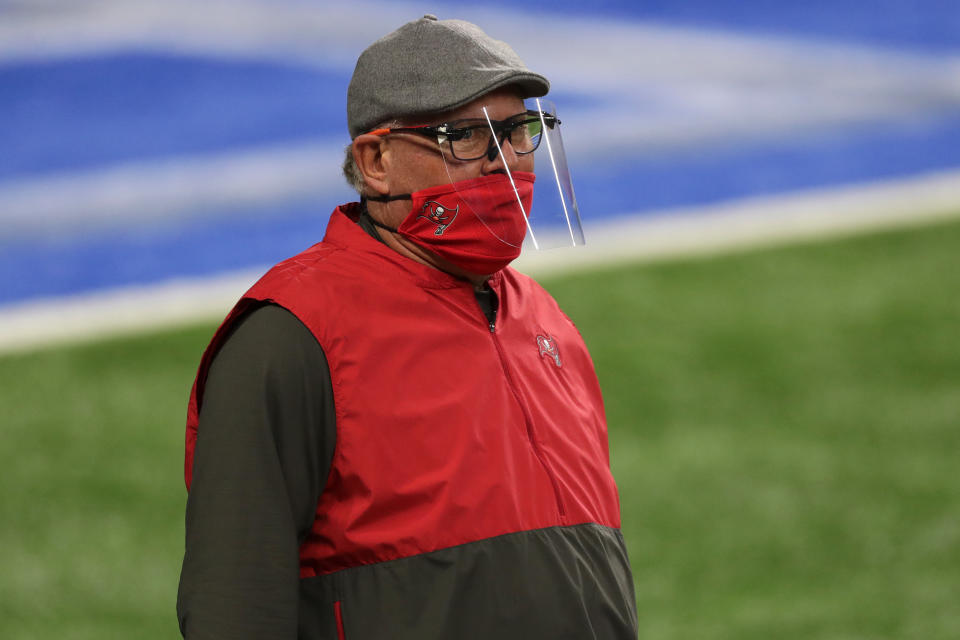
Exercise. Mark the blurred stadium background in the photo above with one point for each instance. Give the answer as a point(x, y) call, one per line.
point(784, 420)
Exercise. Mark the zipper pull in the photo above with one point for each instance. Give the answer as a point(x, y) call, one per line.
point(493, 327)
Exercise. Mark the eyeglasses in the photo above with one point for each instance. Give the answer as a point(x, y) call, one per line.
point(473, 139)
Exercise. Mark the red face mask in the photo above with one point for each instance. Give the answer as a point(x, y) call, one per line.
point(475, 224)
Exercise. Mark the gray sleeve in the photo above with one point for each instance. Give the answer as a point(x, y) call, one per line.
point(264, 448)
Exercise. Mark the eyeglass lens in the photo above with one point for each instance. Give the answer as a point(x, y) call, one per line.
point(471, 143)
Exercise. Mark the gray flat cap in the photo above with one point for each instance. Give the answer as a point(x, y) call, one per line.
point(428, 66)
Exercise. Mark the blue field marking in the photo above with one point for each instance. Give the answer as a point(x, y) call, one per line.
point(69, 114)
point(711, 174)
point(931, 26)
point(219, 243)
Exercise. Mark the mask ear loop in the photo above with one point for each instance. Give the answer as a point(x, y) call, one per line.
point(399, 196)
point(526, 219)
point(377, 223)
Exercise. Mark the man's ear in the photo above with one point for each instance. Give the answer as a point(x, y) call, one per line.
point(369, 153)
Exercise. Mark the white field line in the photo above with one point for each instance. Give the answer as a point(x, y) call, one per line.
point(758, 221)
point(713, 229)
point(138, 192)
point(122, 311)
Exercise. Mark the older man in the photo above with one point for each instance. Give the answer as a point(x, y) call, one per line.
point(393, 434)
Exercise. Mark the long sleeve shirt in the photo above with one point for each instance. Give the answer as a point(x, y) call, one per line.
point(262, 457)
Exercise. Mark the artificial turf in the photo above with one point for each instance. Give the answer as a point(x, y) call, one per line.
point(784, 426)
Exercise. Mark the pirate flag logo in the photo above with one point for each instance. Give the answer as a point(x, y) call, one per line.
point(438, 215)
point(548, 347)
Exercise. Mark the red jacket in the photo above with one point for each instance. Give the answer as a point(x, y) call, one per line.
point(450, 430)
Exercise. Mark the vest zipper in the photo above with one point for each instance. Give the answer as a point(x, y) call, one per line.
point(531, 436)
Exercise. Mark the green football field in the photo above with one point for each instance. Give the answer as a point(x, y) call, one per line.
point(784, 427)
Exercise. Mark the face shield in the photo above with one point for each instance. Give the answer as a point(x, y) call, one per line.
point(511, 176)
point(497, 184)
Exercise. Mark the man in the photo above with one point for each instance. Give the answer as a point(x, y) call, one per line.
point(393, 434)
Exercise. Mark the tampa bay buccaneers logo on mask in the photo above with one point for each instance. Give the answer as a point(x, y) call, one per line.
point(438, 215)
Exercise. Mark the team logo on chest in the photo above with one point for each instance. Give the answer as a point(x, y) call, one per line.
point(548, 347)
point(438, 215)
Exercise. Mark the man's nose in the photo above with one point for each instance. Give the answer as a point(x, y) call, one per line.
point(497, 154)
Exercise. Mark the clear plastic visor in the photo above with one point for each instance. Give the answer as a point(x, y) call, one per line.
point(534, 201)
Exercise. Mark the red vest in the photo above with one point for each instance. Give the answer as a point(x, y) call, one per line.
point(448, 431)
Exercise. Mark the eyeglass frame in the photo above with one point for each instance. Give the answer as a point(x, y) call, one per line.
point(502, 128)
